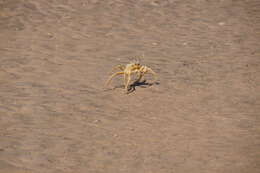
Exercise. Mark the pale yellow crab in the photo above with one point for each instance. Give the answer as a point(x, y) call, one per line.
point(132, 68)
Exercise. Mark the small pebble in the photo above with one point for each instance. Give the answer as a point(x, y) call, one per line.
point(96, 121)
point(155, 3)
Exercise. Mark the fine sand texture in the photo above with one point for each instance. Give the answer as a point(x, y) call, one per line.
point(201, 116)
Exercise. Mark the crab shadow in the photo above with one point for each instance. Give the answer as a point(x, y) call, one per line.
point(142, 84)
point(132, 87)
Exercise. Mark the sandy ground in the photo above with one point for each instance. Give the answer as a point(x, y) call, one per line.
point(202, 116)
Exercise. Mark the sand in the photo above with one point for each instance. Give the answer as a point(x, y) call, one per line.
point(202, 115)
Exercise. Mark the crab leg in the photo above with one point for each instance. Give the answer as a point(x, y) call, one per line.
point(113, 75)
point(153, 73)
point(120, 67)
point(140, 75)
point(125, 77)
point(128, 81)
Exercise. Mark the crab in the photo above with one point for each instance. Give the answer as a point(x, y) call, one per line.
point(132, 68)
